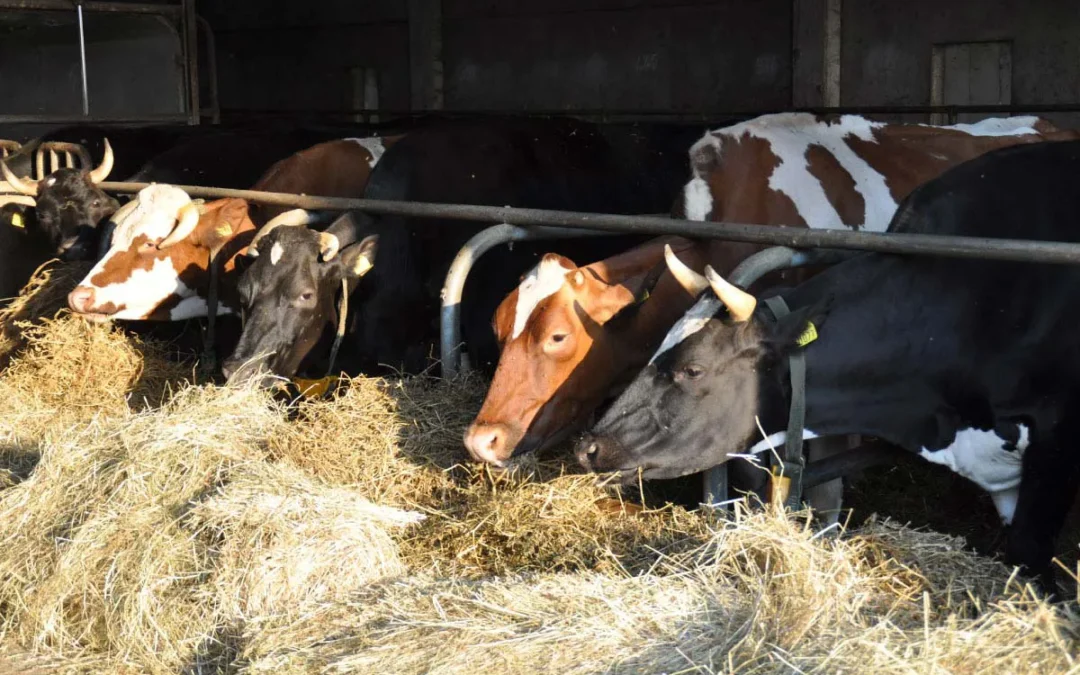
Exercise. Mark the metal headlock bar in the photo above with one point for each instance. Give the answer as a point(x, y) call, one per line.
point(1021, 250)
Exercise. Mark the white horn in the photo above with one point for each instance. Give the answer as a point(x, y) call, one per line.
point(690, 280)
point(123, 211)
point(294, 218)
point(328, 246)
point(17, 199)
point(740, 304)
point(27, 186)
point(105, 168)
point(187, 220)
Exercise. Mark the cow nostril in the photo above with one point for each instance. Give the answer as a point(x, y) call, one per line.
point(592, 448)
point(81, 299)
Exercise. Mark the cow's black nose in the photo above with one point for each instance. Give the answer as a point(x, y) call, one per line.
point(593, 452)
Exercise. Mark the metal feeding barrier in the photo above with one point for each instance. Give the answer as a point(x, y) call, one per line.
point(791, 247)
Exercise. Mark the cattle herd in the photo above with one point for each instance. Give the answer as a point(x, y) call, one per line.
point(637, 346)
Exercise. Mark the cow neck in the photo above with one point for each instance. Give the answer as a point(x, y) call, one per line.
point(787, 472)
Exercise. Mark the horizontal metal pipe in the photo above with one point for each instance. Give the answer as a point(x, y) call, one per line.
point(92, 119)
point(89, 6)
point(794, 237)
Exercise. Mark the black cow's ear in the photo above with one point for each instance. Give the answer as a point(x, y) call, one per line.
point(358, 259)
point(798, 329)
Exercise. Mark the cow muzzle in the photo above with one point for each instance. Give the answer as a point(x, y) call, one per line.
point(598, 454)
point(491, 443)
point(82, 301)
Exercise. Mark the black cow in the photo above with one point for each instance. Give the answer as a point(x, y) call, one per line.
point(23, 247)
point(69, 205)
point(970, 363)
point(555, 163)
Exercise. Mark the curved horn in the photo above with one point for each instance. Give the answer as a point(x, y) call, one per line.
point(690, 280)
point(328, 246)
point(122, 212)
point(27, 186)
point(740, 304)
point(294, 218)
point(105, 168)
point(188, 218)
point(17, 199)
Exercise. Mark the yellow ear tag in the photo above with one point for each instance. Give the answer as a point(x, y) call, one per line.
point(315, 388)
point(361, 266)
point(17, 221)
point(808, 335)
point(223, 230)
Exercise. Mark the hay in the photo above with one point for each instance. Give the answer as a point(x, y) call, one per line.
point(155, 526)
point(765, 595)
point(42, 297)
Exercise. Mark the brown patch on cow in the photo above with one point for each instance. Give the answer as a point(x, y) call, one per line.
point(843, 196)
point(331, 169)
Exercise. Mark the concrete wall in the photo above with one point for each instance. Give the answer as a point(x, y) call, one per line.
point(133, 66)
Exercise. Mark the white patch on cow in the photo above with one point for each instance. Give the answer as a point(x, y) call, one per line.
point(790, 136)
point(154, 216)
point(144, 291)
point(980, 456)
point(997, 126)
point(373, 145)
point(776, 441)
point(541, 282)
point(195, 307)
point(691, 322)
point(697, 199)
point(276, 252)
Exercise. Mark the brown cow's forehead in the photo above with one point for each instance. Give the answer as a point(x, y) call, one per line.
point(540, 283)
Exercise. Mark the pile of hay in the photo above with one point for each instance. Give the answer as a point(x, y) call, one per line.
point(149, 524)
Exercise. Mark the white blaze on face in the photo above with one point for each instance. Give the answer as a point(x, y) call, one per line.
point(694, 320)
point(142, 291)
point(981, 457)
point(276, 251)
point(541, 282)
point(373, 145)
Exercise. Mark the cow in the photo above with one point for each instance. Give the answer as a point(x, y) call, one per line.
point(69, 205)
point(393, 313)
point(23, 246)
point(157, 266)
point(968, 363)
point(559, 363)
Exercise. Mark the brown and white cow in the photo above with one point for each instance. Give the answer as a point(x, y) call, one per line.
point(566, 340)
point(157, 266)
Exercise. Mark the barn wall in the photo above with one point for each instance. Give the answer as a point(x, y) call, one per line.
point(133, 66)
point(523, 54)
point(887, 48)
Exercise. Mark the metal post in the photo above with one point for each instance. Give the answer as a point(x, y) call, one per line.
point(482, 242)
point(82, 60)
point(751, 269)
point(191, 59)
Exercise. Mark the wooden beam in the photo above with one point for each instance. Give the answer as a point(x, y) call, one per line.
point(830, 85)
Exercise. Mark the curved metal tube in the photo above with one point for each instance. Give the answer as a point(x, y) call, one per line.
point(482, 242)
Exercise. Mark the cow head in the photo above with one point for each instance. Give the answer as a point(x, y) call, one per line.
point(157, 263)
point(562, 352)
point(69, 205)
point(288, 297)
point(697, 402)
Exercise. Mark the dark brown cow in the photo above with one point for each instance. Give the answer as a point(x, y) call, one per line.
point(561, 357)
point(157, 267)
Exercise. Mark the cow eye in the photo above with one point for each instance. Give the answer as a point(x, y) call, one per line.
point(306, 296)
point(559, 338)
point(692, 371)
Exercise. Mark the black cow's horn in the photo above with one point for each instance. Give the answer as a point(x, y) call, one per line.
point(328, 246)
point(740, 304)
point(105, 168)
point(690, 280)
point(293, 218)
point(27, 186)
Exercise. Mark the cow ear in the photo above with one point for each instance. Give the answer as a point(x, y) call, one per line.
point(606, 300)
point(358, 259)
point(798, 329)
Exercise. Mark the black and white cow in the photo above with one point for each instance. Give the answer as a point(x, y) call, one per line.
point(973, 364)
